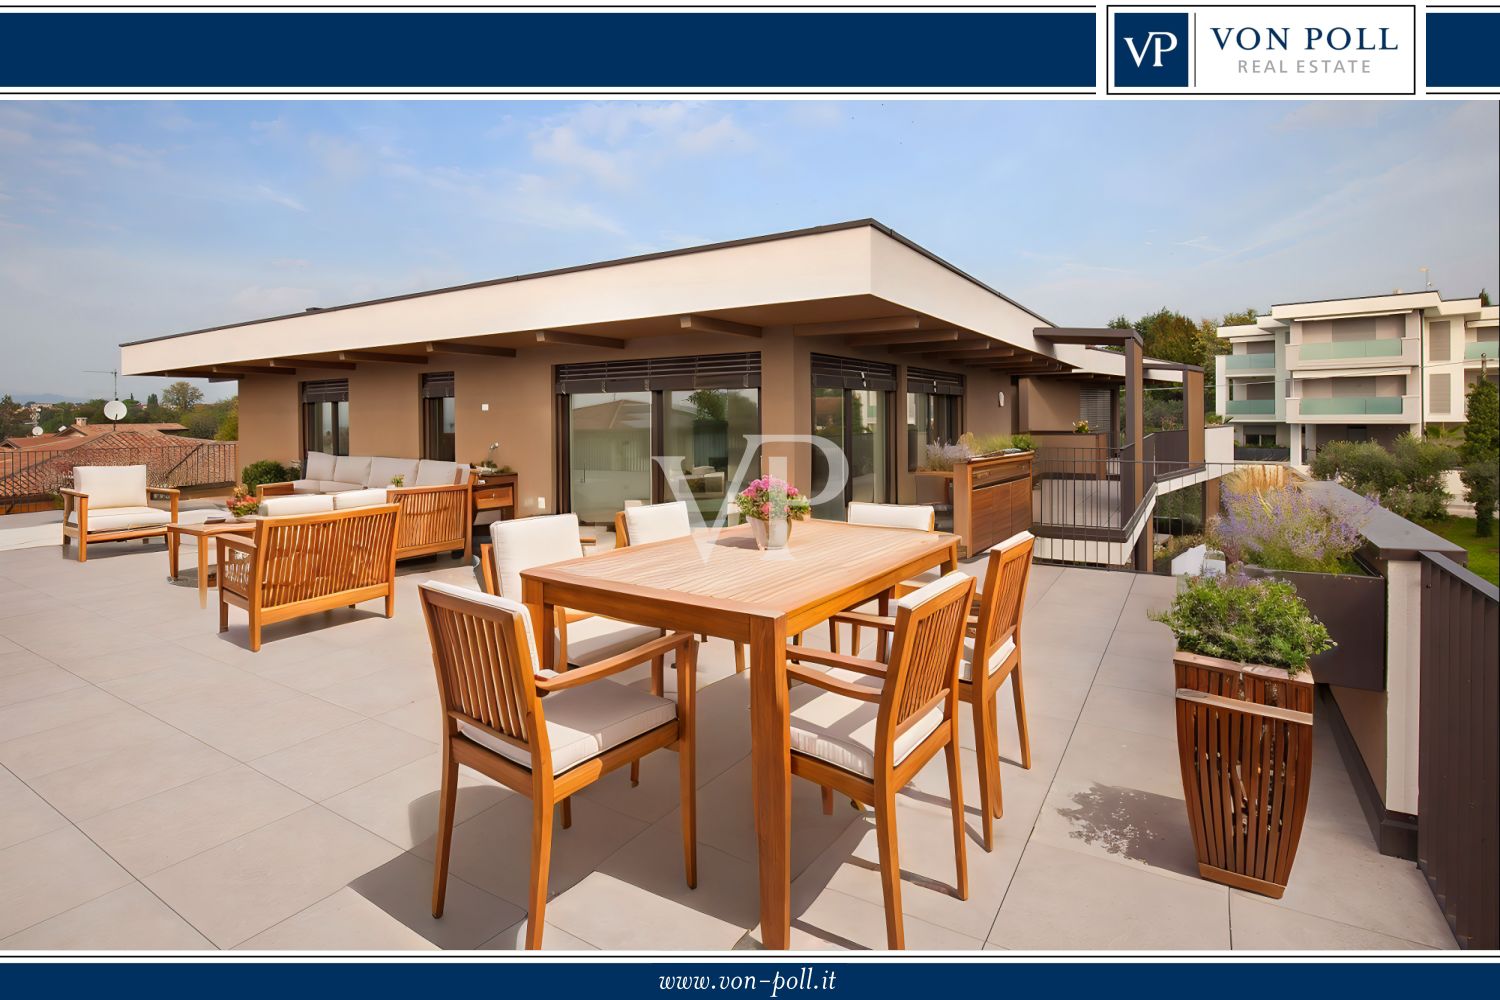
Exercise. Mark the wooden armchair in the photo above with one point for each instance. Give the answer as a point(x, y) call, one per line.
point(112, 503)
point(301, 564)
point(867, 728)
point(994, 639)
point(496, 721)
point(916, 517)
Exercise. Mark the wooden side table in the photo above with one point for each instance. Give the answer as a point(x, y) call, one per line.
point(497, 492)
point(204, 533)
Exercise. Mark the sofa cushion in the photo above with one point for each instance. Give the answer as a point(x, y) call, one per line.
point(382, 470)
point(434, 473)
point(307, 486)
point(997, 658)
point(532, 541)
point(122, 518)
point(358, 498)
point(657, 522)
point(319, 465)
point(111, 485)
point(841, 730)
point(330, 486)
point(585, 721)
point(350, 469)
point(300, 504)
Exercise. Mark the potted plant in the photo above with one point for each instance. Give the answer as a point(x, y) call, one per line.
point(1081, 427)
point(398, 481)
point(1244, 723)
point(771, 505)
point(241, 505)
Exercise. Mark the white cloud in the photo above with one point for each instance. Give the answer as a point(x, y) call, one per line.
point(614, 143)
point(278, 198)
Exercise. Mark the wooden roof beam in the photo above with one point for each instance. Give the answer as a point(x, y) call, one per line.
point(884, 324)
point(293, 363)
point(237, 370)
point(476, 350)
point(382, 358)
point(708, 324)
point(894, 340)
point(578, 339)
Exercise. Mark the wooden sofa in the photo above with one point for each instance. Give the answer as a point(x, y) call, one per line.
point(300, 564)
point(436, 498)
point(111, 503)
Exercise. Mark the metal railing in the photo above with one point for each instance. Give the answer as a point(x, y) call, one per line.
point(1092, 491)
point(31, 475)
point(1458, 771)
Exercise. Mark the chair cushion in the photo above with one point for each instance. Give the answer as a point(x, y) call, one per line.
point(358, 498)
point(585, 721)
point(597, 638)
point(301, 504)
point(841, 730)
point(891, 515)
point(319, 465)
point(307, 486)
point(532, 541)
point(997, 658)
point(122, 518)
point(111, 485)
point(382, 470)
point(434, 473)
point(657, 522)
point(350, 469)
point(334, 486)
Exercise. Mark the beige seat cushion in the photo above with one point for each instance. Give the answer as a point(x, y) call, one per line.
point(595, 639)
point(431, 472)
point(111, 485)
point(300, 504)
point(350, 469)
point(383, 470)
point(583, 722)
point(307, 486)
point(123, 518)
point(841, 730)
point(657, 522)
point(358, 498)
point(319, 466)
point(997, 658)
point(334, 486)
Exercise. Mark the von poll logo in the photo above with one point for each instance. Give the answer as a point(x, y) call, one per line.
point(1151, 50)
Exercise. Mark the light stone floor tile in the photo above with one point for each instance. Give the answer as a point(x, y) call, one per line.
point(1144, 712)
point(1061, 899)
point(246, 732)
point(402, 805)
point(97, 786)
point(171, 826)
point(237, 890)
point(16, 660)
point(38, 682)
point(23, 813)
point(128, 919)
point(420, 718)
point(337, 761)
point(54, 749)
point(1152, 674)
point(836, 922)
point(1257, 924)
point(553, 939)
point(51, 874)
point(384, 690)
point(184, 675)
point(70, 708)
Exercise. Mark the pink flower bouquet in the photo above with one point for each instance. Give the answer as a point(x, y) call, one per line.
point(771, 499)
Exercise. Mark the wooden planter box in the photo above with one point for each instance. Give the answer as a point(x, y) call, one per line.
point(1244, 740)
point(991, 498)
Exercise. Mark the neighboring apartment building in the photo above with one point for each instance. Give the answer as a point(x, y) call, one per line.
point(1369, 368)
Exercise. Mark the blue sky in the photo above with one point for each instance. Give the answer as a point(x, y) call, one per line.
point(123, 220)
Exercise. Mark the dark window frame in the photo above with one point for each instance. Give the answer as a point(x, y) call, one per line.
point(435, 388)
point(315, 393)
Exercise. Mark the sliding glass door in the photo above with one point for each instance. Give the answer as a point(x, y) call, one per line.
point(609, 448)
point(852, 409)
point(708, 427)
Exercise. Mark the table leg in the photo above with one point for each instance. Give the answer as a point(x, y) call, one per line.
point(543, 614)
point(173, 538)
point(951, 562)
point(203, 571)
point(770, 754)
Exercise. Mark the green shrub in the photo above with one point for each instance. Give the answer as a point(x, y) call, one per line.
point(1482, 487)
point(1407, 479)
point(1213, 417)
point(1249, 621)
point(1022, 441)
point(265, 471)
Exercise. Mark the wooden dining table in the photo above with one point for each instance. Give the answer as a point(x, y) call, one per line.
point(718, 583)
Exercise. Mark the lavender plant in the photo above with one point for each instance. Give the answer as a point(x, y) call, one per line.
point(1288, 529)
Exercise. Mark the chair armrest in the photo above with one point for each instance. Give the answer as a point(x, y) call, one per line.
point(872, 668)
point(273, 490)
point(163, 491)
point(615, 664)
point(818, 678)
point(72, 493)
point(885, 623)
point(240, 542)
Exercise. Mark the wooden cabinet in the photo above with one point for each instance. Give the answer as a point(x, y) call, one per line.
point(496, 492)
point(991, 500)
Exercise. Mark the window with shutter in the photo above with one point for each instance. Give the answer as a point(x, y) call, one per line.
point(1439, 341)
point(1440, 392)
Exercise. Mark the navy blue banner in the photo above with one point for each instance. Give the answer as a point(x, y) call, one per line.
point(1463, 49)
point(842, 51)
point(790, 978)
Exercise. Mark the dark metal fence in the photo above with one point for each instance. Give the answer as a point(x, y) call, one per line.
point(35, 474)
point(1458, 773)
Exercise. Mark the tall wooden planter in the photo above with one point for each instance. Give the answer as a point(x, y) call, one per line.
point(1244, 739)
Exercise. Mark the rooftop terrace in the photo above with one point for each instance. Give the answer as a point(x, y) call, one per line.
point(163, 788)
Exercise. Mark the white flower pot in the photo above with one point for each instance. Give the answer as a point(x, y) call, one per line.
point(771, 534)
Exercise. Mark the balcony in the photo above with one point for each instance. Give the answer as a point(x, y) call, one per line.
point(1354, 353)
point(1251, 407)
point(1356, 409)
point(1250, 362)
point(1482, 349)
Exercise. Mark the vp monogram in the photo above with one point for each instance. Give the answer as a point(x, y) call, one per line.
point(1157, 44)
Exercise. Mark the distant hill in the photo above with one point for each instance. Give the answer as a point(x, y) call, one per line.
point(44, 397)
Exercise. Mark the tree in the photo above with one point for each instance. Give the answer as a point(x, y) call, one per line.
point(1245, 317)
point(229, 427)
point(15, 419)
point(179, 397)
point(1484, 297)
point(1480, 454)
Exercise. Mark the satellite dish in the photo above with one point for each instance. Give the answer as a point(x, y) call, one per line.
point(37, 431)
point(114, 410)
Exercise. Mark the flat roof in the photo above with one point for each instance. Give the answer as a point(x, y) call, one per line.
point(640, 258)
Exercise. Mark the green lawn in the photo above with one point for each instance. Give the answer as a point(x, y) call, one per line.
point(1484, 559)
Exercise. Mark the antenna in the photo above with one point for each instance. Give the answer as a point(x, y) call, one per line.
point(1426, 275)
point(114, 409)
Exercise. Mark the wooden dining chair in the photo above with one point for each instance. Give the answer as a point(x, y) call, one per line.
point(497, 722)
point(866, 728)
point(918, 517)
point(994, 639)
